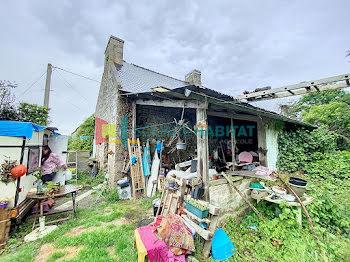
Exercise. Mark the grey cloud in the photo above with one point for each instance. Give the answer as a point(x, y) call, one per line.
point(238, 45)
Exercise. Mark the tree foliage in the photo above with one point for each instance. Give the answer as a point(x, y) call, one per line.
point(33, 113)
point(335, 116)
point(83, 139)
point(329, 108)
point(9, 110)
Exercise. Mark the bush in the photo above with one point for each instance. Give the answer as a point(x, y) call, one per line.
point(299, 147)
point(112, 194)
point(332, 165)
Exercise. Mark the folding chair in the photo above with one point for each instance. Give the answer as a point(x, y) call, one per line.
point(100, 189)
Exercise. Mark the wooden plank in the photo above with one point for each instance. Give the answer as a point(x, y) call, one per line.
point(60, 220)
point(133, 123)
point(206, 234)
point(244, 198)
point(169, 103)
point(207, 244)
point(250, 174)
point(194, 217)
point(5, 223)
point(222, 181)
point(306, 202)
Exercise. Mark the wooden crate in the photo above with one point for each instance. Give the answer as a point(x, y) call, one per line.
point(5, 223)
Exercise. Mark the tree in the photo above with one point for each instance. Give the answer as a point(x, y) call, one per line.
point(330, 109)
point(33, 113)
point(9, 110)
point(83, 139)
point(7, 101)
point(335, 116)
point(319, 98)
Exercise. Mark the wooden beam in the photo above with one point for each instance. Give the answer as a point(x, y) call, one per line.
point(233, 115)
point(261, 126)
point(133, 105)
point(170, 103)
point(233, 145)
point(206, 234)
point(202, 150)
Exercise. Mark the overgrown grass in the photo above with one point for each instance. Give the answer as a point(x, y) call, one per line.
point(298, 244)
point(86, 180)
point(95, 242)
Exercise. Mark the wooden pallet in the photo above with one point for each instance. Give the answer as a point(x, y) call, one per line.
point(5, 224)
point(136, 169)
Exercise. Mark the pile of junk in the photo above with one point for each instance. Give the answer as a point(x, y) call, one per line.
point(191, 207)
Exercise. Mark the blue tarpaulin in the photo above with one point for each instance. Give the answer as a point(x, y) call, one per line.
point(19, 129)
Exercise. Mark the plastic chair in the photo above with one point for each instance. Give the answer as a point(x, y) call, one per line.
point(100, 189)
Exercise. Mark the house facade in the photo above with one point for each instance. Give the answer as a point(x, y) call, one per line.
point(148, 105)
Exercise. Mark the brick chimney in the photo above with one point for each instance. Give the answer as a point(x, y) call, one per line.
point(114, 50)
point(194, 77)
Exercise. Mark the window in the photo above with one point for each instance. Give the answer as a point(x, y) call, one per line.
point(45, 140)
point(33, 159)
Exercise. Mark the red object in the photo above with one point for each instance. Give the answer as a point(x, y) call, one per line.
point(18, 171)
point(99, 139)
point(20, 189)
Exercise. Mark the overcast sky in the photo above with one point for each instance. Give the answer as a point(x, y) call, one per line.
point(237, 45)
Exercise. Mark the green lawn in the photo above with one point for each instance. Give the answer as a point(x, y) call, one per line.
point(105, 242)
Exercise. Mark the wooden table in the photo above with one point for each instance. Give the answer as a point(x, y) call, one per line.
point(64, 191)
point(308, 200)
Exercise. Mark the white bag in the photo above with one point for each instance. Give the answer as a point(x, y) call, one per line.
point(68, 174)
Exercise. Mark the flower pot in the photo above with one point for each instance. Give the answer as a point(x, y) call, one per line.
point(297, 181)
point(299, 190)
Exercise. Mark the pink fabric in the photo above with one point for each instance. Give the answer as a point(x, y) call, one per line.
point(263, 171)
point(157, 250)
point(245, 157)
point(52, 162)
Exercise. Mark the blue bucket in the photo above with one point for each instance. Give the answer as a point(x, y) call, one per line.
point(222, 246)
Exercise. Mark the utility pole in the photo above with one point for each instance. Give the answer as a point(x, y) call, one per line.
point(47, 86)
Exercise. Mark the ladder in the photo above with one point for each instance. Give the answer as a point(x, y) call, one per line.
point(329, 83)
point(73, 164)
point(136, 168)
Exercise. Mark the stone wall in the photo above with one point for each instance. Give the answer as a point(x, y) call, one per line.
point(222, 195)
point(153, 122)
point(106, 109)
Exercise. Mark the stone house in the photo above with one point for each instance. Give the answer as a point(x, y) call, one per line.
point(152, 101)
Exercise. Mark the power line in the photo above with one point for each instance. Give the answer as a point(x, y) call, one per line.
point(88, 78)
point(25, 91)
point(69, 85)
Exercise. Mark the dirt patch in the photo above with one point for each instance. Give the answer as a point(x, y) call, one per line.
point(80, 229)
point(111, 253)
point(107, 211)
point(138, 218)
point(47, 250)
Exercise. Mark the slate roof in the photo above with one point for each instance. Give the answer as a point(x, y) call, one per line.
point(137, 79)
